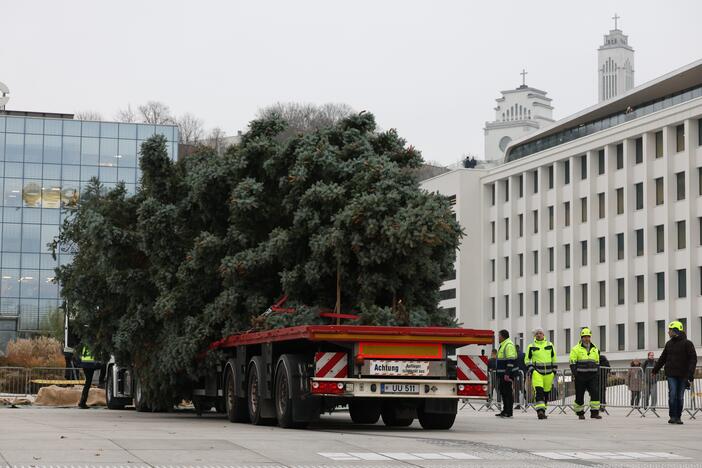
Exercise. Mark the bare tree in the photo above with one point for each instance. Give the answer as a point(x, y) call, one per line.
point(126, 115)
point(155, 112)
point(215, 139)
point(305, 117)
point(190, 129)
point(88, 115)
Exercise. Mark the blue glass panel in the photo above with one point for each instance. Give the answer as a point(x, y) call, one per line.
point(33, 145)
point(90, 151)
point(15, 125)
point(31, 193)
point(2, 123)
point(31, 238)
point(30, 260)
point(108, 152)
point(52, 171)
point(91, 129)
point(14, 169)
point(11, 237)
point(47, 286)
point(53, 127)
point(50, 216)
point(127, 174)
point(14, 147)
point(108, 130)
point(127, 130)
point(10, 260)
point(108, 174)
point(31, 215)
point(88, 172)
point(51, 194)
point(70, 173)
point(127, 151)
point(52, 149)
point(9, 306)
point(29, 314)
point(145, 131)
point(47, 260)
point(31, 171)
point(9, 287)
point(71, 150)
point(2, 146)
point(48, 233)
point(71, 127)
point(13, 193)
point(29, 283)
point(35, 126)
point(165, 130)
point(11, 215)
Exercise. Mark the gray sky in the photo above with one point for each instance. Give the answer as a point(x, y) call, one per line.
point(431, 69)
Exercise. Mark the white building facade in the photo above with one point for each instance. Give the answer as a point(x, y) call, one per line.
point(593, 221)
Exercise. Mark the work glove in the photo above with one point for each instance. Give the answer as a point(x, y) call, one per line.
point(507, 378)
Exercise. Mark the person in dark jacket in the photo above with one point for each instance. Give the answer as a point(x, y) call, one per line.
point(605, 369)
point(89, 365)
point(679, 358)
point(519, 387)
point(650, 396)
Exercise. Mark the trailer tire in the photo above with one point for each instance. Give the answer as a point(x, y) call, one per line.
point(139, 399)
point(436, 421)
point(235, 406)
point(391, 418)
point(110, 401)
point(284, 401)
point(364, 411)
point(253, 394)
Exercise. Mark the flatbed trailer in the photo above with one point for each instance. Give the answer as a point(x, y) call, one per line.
point(290, 376)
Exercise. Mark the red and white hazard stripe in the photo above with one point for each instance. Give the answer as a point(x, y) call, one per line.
point(331, 365)
point(472, 368)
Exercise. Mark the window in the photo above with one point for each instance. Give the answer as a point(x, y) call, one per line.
point(681, 234)
point(583, 296)
point(638, 190)
point(660, 327)
point(680, 184)
point(680, 138)
point(659, 144)
point(447, 294)
point(506, 228)
point(492, 269)
point(550, 259)
point(535, 253)
point(699, 222)
point(566, 255)
point(506, 187)
point(660, 286)
point(583, 167)
point(620, 291)
point(520, 299)
point(535, 179)
point(639, 233)
point(506, 267)
point(550, 300)
point(506, 299)
point(620, 201)
point(520, 225)
point(682, 285)
point(660, 198)
point(699, 274)
point(603, 337)
point(640, 335)
point(535, 295)
point(492, 231)
point(603, 293)
point(601, 245)
point(550, 335)
point(583, 253)
point(640, 297)
point(566, 297)
point(699, 178)
point(601, 205)
point(550, 218)
point(535, 217)
point(566, 172)
point(601, 162)
point(520, 186)
point(638, 145)
point(699, 132)
point(550, 177)
point(567, 340)
point(451, 274)
point(521, 264)
point(451, 311)
point(620, 336)
point(492, 194)
point(566, 211)
point(583, 210)
point(620, 156)
point(660, 239)
point(492, 308)
point(620, 246)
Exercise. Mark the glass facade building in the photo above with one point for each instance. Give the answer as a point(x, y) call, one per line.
point(44, 164)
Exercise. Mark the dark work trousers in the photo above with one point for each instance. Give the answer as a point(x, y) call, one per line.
point(507, 395)
point(88, 371)
point(589, 384)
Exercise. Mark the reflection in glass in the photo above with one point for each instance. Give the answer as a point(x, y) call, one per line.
point(52, 149)
point(13, 192)
point(29, 283)
point(11, 240)
point(90, 151)
point(14, 147)
point(9, 286)
point(30, 261)
point(108, 152)
point(31, 239)
point(53, 127)
point(33, 145)
point(35, 126)
point(71, 150)
point(31, 193)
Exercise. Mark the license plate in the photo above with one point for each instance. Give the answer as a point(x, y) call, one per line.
point(407, 389)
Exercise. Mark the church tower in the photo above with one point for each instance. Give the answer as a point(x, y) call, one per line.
point(615, 64)
point(518, 112)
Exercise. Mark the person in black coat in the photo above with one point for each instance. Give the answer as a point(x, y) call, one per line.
point(605, 369)
point(680, 359)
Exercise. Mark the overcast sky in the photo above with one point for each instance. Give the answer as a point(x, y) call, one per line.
point(431, 69)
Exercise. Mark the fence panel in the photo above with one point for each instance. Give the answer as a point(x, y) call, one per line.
point(14, 381)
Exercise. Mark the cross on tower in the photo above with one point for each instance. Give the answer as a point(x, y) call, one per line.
point(615, 18)
point(524, 73)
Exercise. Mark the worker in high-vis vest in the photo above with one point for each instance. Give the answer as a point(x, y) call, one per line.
point(585, 365)
point(506, 365)
point(89, 365)
point(540, 358)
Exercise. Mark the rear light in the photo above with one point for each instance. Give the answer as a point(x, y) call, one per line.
point(326, 388)
point(471, 390)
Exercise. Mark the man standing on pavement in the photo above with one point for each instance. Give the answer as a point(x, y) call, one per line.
point(540, 357)
point(585, 365)
point(650, 397)
point(506, 366)
point(679, 358)
point(89, 365)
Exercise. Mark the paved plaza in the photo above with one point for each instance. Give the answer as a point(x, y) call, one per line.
point(51, 437)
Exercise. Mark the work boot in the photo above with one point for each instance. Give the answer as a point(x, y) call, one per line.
point(500, 415)
point(541, 414)
point(594, 414)
point(678, 421)
point(82, 406)
point(581, 414)
point(671, 421)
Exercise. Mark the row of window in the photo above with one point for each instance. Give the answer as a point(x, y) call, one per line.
point(39, 126)
point(638, 239)
point(565, 169)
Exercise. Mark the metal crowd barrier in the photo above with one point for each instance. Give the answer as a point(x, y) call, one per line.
point(14, 381)
point(20, 381)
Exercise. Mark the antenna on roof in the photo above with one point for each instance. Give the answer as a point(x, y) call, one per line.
point(4, 95)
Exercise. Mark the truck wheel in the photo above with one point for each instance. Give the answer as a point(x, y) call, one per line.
point(283, 396)
point(255, 400)
point(235, 406)
point(393, 417)
point(364, 411)
point(112, 402)
point(139, 399)
point(438, 421)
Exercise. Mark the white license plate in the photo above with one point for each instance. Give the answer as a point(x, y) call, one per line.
point(408, 389)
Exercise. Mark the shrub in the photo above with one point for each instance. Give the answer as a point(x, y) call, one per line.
point(35, 352)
